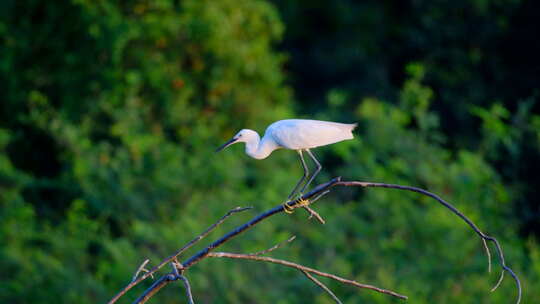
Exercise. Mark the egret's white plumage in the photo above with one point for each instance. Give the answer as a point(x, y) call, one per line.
point(294, 134)
point(297, 134)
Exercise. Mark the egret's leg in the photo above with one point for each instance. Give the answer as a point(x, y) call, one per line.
point(319, 167)
point(306, 173)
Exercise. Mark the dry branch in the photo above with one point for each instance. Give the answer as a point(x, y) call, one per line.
point(469, 222)
point(188, 288)
point(140, 269)
point(297, 203)
point(305, 269)
point(176, 254)
point(292, 238)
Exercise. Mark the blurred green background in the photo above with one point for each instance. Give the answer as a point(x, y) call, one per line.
point(111, 111)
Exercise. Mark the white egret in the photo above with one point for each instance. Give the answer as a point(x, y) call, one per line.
point(294, 134)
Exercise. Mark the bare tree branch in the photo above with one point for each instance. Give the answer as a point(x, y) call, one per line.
point(141, 268)
point(188, 288)
point(312, 213)
point(501, 278)
point(482, 235)
point(257, 219)
point(177, 253)
point(279, 245)
point(164, 280)
point(488, 253)
point(288, 206)
point(303, 268)
point(309, 276)
point(155, 287)
point(177, 269)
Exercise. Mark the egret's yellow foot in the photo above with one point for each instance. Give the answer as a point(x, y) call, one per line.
point(303, 202)
point(288, 209)
point(300, 202)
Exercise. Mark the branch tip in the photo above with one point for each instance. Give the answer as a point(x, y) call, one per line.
point(141, 269)
point(498, 282)
point(278, 245)
point(488, 253)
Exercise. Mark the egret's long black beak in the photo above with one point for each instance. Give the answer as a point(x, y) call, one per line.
point(225, 145)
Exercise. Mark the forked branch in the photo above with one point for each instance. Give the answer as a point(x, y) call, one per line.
point(136, 279)
point(469, 222)
point(304, 269)
point(290, 205)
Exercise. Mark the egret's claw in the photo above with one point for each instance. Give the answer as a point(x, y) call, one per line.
point(303, 202)
point(288, 209)
point(300, 202)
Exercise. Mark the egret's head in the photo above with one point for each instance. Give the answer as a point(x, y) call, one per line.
point(245, 135)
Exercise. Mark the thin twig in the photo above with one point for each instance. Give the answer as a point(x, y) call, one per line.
point(177, 268)
point(321, 285)
point(188, 288)
point(501, 277)
point(319, 196)
point(279, 245)
point(303, 268)
point(141, 268)
point(177, 253)
point(488, 253)
point(313, 213)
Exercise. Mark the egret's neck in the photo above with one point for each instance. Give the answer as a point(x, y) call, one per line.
point(258, 148)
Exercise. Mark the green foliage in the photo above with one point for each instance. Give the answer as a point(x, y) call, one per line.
point(110, 116)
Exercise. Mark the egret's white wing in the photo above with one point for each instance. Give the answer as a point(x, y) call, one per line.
point(305, 134)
